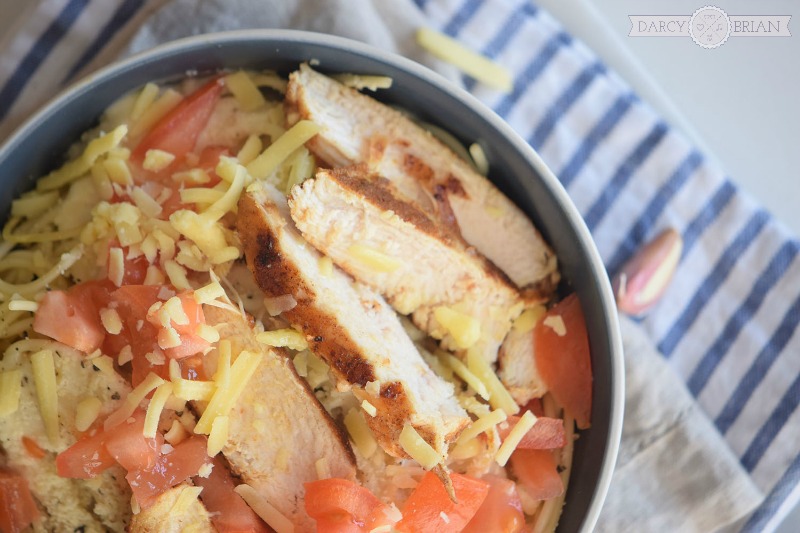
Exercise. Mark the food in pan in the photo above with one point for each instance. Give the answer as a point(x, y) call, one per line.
point(245, 303)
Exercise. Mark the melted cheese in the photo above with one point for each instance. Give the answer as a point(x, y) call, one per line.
point(373, 259)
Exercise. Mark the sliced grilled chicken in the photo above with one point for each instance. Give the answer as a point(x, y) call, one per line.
point(350, 326)
point(99, 504)
point(418, 265)
point(359, 129)
point(172, 513)
point(517, 367)
point(277, 428)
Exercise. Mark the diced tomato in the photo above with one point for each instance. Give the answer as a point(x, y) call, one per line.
point(342, 505)
point(135, 269)
point(546, 434)
point(33, 448)
point(71, 320)
point(537, 471)
point(17, 508)
point(191, 342)
point(564, 362)
point(501, 511)
point(128, 446)
point(178, 131)
point(534, 406)
point(423, 509)
point(229, 512)
point(86, 458)
point(169, 470)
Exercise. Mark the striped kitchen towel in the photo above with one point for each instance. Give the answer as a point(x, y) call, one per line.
point(728, 325)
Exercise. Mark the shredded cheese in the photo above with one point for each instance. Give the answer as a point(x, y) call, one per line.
point(209, 293)
point(153, 113)
point(528, 319)
point(373, 259)
point(224, 397)
point(499, 397)
point(556, 323)
point(143, 100)
point(132, 401)
point(33, 204)
point(177, 275)
point(325, 266)
point(464, 329)
point(323, 470)
point(190, 390)
point(156, 160)
point(155, 408)
point(476, 65)
point(264, 509)
point(218, 436)
point(360, 433)
point(263, 165)
point(361, 81)
point(10, 391)
point(44, 377)
point(419, 450)
point(116, 266)
point(176, 434)
point(469, 378)
point(250, 150)
point(205, 470)
point(118, 171)
point(245, 91)
point(87, 412)
point(369, 408)
point(483, 424)
point(111, 320)
point(280, 338)
point(479, 158)
point(466, 450)
point(222, 377)
point(195, 176)
point(526, 422)
point(207, 333)
point(146, 203)
point(185, 499)
point(76, 168)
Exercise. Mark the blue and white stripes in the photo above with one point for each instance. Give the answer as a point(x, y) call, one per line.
point(729, 324)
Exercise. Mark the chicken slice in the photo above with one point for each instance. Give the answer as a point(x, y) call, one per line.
point(351, 327)
point(277, 428)
point(99, 504)
point(172, 513)
point(517, 367)
point(359, 129)
point(421, 264)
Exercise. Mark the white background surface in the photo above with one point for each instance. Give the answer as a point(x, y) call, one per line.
point(739, 102)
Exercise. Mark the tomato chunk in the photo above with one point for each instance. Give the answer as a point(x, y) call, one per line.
point(178, 130)
point(423, 509)
point(67, 318)
point(564, 361)
point(546, 434)
point(537, 471)
point(127, 444)
point(17, 508)
point(169, 470)
point(86, 458)
point(342, 505)
point(229, 512)
point(501, 511)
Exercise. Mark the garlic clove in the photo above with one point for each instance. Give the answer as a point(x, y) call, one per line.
point(645, 277)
